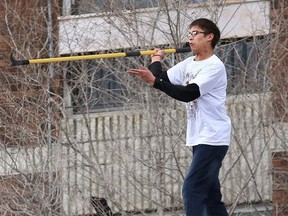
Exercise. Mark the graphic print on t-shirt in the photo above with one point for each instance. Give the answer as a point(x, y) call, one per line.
point(189, 75)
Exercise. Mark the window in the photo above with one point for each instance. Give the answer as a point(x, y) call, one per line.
point(246, 62)
point(194, 1)
point(100, 84)
point(77, 7)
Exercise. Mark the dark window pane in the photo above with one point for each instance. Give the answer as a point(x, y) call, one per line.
point(94, 6)
point(246, 62)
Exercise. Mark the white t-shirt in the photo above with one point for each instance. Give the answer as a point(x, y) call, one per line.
point(207, 119)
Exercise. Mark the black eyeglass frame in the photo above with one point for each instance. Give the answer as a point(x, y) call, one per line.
point(195, 32)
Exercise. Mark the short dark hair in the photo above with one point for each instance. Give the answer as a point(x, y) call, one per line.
point(209, 27)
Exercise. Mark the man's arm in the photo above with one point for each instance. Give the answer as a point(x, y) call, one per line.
point(186, 93)
point(183, 93)
point(156, 69)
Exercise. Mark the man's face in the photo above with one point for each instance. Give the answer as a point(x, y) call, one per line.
point(199, 40)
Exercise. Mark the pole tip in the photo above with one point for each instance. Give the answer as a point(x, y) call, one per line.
point(15, 62)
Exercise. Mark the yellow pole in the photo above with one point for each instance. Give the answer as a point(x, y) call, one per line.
point(76, 58)
point(96, 56)
point(15, 62)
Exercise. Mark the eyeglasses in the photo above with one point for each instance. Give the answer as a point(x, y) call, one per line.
point(194, 33)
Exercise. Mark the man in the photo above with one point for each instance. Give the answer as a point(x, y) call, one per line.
point(201, 82)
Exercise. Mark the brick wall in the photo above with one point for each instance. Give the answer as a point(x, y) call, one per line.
point(24, 194)
point(280, 183)
point(23, 106)
point(23, 31)
point(279, 77)
point(279, 58)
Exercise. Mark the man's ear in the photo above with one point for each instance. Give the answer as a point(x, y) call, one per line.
point(210, 36)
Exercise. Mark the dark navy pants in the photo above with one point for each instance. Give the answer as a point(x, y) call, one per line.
point(201, 188)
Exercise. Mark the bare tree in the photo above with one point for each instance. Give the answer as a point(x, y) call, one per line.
point(30, 184)
point(84, 137)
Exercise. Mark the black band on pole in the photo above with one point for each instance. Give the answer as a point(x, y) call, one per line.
point(15, 62)
point(182, 50)
point(133, 53)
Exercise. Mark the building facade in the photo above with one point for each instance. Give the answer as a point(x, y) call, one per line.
point(95, 133)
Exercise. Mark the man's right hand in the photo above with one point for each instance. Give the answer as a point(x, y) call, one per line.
point(158, 56)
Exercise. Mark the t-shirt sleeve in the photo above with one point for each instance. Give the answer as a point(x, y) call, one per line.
point(209, 77)
point(175, 74)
